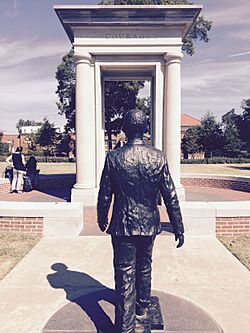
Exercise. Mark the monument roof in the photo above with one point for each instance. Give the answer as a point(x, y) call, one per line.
point(165, 16)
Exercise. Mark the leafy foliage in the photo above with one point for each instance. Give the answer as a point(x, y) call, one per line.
point(120, 97)
point(65, 76)
point(232, 142)
point(244, 123)
point(144, 104)
point(28, 122)
point(46, 137)
point(66, 145)
point(199, 31)
point(191, 141)
point(217, 160)
point(211, 137)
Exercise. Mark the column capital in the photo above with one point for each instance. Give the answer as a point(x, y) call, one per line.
point(173, 57)
point(82, 57)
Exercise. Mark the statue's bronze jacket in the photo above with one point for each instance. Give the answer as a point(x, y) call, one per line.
point(136, 174)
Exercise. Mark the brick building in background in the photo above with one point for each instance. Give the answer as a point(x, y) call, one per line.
point(13, 141)
point(187, 122)
point(22, 139)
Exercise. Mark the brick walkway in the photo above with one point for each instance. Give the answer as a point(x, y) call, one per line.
point(90, 227)
point(193, 193)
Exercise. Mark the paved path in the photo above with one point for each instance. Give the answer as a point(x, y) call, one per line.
point(202, 272)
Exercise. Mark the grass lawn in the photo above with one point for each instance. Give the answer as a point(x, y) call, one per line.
point(13, 247)
point(223, 169)
point(226, 169)
point(239, 246)
point(49, 168)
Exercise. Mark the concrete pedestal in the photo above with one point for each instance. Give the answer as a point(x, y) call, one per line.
point(87, 196)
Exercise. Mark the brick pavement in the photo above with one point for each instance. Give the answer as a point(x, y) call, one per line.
point(193, 193)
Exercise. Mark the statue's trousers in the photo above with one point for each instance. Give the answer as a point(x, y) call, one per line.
point(132, 267)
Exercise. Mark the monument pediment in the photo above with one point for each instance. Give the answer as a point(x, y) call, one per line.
point(127, 22)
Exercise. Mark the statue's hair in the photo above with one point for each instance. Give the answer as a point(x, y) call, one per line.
point(135, 121)
point(58, 266)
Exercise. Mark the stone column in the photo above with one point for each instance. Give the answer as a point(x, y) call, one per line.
point(172, 117)
point(85, 127)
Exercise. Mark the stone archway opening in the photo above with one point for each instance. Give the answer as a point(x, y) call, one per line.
point(120, 96)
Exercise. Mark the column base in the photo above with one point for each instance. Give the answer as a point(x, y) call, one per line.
point(180, 192)
point(88, 197)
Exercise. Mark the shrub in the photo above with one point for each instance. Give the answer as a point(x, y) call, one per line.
point(217, 160)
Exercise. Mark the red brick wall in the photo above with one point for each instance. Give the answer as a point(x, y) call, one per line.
point(21, 224)
point(243, 186)
point(69, 181)
point(232, 226)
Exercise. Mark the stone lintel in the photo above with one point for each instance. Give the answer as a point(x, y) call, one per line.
point(75, 17)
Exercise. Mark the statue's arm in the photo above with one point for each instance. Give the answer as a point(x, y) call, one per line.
point(104, 196)
point(171, 201)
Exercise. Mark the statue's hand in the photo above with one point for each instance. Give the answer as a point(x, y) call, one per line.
point(180, 239)
point(103, 225)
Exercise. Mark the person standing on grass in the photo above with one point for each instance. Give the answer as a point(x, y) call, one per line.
point(17, 159)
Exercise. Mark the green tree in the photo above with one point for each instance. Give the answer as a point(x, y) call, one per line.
point(65, 144)
point(211, 137)
point(244, 124)
point(232, 143)
point(65, 76)
point(46, 137)
point(199, 31)
point(120, 97)
point(191, 141)
point(27, 122)
point(144, 104)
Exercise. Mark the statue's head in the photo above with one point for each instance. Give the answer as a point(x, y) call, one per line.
point(59, 267)
point(135, 123)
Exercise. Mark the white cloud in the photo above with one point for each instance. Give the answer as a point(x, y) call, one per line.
point(217, 86)
point(243, 34)
point(216, 74)
point(27, 81)
point(239, 54)
point(230, 13)
point(28, 100)
point(13, 11)
point(198, 82)
point(13, 53)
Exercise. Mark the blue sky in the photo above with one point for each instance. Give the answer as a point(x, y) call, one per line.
point(32, 43)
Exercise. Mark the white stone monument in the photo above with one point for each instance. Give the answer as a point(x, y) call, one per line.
point(125, 43)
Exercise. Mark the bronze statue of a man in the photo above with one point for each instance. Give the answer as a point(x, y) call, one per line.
point(135, 174)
